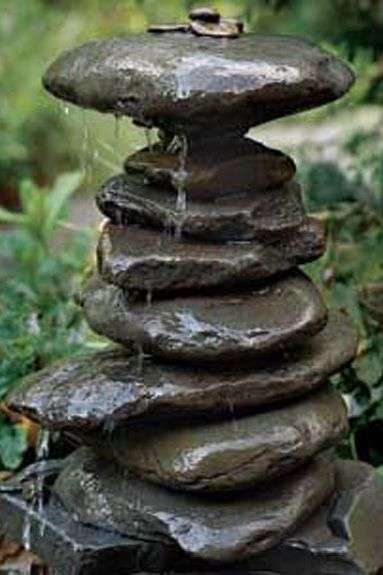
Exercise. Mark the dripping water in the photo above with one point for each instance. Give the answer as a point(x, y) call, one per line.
point(180, 178)
point(117, 126)
point(149, 298)
point(37, 496)
point(109, 426)
point(230, 404)
point(87, 154)
point(26, 536)
point(42, 454)
point(140, 358)
point(65, 109)
point(149, 139)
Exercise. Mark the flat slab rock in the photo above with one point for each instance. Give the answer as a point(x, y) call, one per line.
point(220, 530)
point(214, 167)
point(344, 539)
point(264, 215)
point(233, 454)
point(207, 328)
point(183, 79)
point(142, 259)
point(108, 388)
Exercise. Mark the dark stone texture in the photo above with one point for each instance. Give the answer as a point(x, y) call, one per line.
point(214, 168)
point(88, 392)
point(186, 81)
point(203, 14)
point(233, 327)
point(343, 539)
point(231, 455)
point(72, 548)
point(314, 549)
point(267, 216)
point(220, 530)
point(224, 29)
point(146, 260)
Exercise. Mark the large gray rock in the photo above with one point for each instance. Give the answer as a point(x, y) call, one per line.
point(231, 455)
point(231, 327)
point(194, 82)
point(317, 547)
point(344, 538)
point(107, 388)
point(222, 530)
point(213, 168)
point(267, 215)
point(143, 259)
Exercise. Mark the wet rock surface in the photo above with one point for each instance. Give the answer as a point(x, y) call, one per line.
point(77, 549)
point(215, 168)
point(220, 530)
point(207, 425)
point(343, 538)
point(266, 215)
point(88, 392)
point(228, 327)
point(145, 260)
point(184, 80)
point(233, 454)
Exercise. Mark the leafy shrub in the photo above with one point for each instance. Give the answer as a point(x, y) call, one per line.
point(38, 320)
point(353, 261)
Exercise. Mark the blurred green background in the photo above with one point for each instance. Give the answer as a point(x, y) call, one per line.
point(49, 151)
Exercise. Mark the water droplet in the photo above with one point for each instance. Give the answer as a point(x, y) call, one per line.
point(230, 404)
point(117, 126)
point(179, 180)
point(42, 449)
point(26, 535)
point(149, 140)
point(65, 109)
point(42, 454)
point(109, 426)
point(140, 359)
point(87, 153)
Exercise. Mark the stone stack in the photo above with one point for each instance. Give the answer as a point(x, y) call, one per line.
point(208, 429)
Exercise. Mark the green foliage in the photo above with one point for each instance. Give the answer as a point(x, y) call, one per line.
point(12, 444)
point(354, 260)
point(38, 320)
point(36, 139)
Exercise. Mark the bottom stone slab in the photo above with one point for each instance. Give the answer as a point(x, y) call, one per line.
point(345, 537)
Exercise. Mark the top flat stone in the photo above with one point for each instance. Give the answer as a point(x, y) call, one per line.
point(181, 80)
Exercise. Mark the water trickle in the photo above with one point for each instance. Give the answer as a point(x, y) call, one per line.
point(140, 358)
point(149, 297)
point(117, 126)
point(230, 404)
point(149, 139)
point(109, 426)
point(42, 454)
point(42, 450)
point(168, 228)
point(181, 175)
point(26, 535)
point(65, 108)
point(179, 179)
point(87, 153)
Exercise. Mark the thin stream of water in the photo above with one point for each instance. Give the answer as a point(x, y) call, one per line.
point(87, 154)
point(117, 126)
point(37, 500)
point(180, 178)
point(65, 109)
point(149, 139)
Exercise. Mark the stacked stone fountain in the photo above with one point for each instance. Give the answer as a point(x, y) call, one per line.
point(207, 431)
